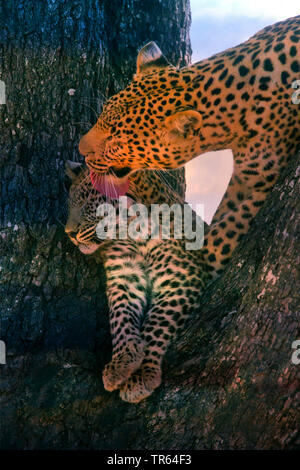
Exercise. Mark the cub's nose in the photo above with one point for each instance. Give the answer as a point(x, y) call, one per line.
point(72, 234)
point(70, 229)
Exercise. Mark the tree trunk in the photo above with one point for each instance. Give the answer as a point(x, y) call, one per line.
point(59, 60)
point(229, 382)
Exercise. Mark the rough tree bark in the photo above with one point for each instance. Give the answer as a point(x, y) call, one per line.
point(229, 381)
point(60, 60)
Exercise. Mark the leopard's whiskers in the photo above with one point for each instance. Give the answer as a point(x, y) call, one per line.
point(166, 182)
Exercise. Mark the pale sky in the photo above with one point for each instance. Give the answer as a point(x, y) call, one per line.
point(277, 9)
point(216, 26)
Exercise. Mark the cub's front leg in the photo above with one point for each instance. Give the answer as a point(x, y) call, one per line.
point(126, 292)
point(177, 282)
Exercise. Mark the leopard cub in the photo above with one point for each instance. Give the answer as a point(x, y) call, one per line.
point(152, 287)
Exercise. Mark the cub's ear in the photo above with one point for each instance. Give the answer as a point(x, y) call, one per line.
point(73, 169)
point(184, 123)
point(150, 58)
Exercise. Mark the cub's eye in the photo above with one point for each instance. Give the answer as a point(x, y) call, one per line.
point(72, 234)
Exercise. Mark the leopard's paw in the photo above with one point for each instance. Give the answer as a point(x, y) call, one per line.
point(122, 365)
point(141, 384)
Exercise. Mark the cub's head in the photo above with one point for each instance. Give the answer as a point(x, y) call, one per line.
point(153, 123)
point(83, 202)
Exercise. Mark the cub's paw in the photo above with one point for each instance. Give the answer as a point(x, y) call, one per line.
point(141, 384)
point(122, 365)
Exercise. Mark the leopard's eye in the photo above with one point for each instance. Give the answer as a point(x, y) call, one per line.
point(116, 143)
point(113, 142)
point(112, 113)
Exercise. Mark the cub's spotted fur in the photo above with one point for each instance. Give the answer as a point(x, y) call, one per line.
point(152, 285)
point(239, 99)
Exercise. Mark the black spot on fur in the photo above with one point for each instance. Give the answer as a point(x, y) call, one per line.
point(225, 249)
point(243, 70)
point(208, 83)
point(282, 58)
point(284, 77)
point(229, 81)
point(295, 66)
point(223, 74)
point(238, 60)
point(279, 47)
point(268, 66)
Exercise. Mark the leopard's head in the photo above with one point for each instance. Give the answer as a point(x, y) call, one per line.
point(148, 124)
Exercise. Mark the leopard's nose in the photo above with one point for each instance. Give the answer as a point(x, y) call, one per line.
point(85, 146)
point(90, 142)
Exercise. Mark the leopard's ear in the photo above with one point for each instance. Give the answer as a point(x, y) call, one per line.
point(73, 169)
point(184, 124)
point(150, 58)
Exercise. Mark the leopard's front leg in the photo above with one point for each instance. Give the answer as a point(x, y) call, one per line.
point(253, 178)
point(126, 292)
point(224, 235)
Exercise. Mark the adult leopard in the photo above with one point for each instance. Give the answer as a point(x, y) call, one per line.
point(239, 99)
